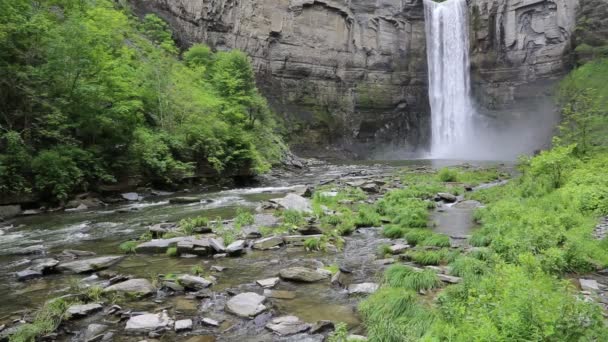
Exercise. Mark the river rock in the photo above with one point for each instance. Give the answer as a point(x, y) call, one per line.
point(29, 250)
point(194, 282)
point(158, 246)
point(217, 245)
point(268, 282)
point(148, 322)
point(279, 294)
point(183, 324)
point(398, 248)
point(447, 197)
point(302, 274)
point(236, 248)
point(287, 325)
point(363, 288)
point(88, 265)
point(140, 287)
point(298, 240)
point(322, 326)
point(28, 274)
point(94, 332)
point(589, 285)
point(248, 304)
point(210, 322)
point(449, 279)
point(184, 200)
point(83, 310)
point(293, 202)
point(130, 196)
point(267, 243)
point(44, 265)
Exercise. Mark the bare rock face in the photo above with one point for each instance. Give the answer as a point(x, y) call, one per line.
point(353, 71)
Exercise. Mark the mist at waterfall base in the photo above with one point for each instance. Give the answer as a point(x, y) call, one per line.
point(458, 129)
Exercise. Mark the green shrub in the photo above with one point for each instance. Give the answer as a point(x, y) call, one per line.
point(466, 266)
point(128, 247)
point(447, 175)
point(367, 216)
point(312, 244)
point(393, 232)
point(172, 252)
point(243, 218)
point(428, 257)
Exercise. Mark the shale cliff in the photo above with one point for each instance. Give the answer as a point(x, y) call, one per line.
point(353, 72)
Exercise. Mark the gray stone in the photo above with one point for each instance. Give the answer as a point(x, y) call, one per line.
point(293, 202)
point(158, 246)
point(387, 261)
point(248, 304)
point(302, 274)
point(398, 248)
point(298, 240)
point(28, 274)
point(268, 282)
point(83, 310)
point(44, 265)
point(217, 245)
point(130, 196)
point(447, 197)
point(194, 282)
point(363, 288)
point(183, 324)
point(210, 322)
point(88, 265)
point(9, 211)
point(449, 279)
point(184, 200)
point(94, 332)
point(140, 287)
point(287, 325)
point(267, 243)
point(35, 249)
point(148, 322)
point(589, 285)
point(236, 248)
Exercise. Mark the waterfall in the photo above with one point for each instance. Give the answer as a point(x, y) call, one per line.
point(447, 45)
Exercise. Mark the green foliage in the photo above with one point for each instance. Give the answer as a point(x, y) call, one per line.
point(367, 216)
point(47, 319)
point(340, 333)
point(408, 278)
point(90, 94)
point(427, 257)
point(228, 234)
point(292, 219)
point(197, 270)
point(468, 267)
point(128, 247)
point(447, 175)
point(313, 244)
point(188, 225)
point(172, 252)
point(243, 218)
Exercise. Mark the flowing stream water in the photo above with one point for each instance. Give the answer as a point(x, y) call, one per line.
point(449, 83)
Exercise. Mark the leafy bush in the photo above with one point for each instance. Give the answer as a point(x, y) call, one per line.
point(447, 175)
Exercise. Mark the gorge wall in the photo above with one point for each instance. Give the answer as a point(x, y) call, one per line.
point(353, 72)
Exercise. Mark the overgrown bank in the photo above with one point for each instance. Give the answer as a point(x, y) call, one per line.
point(91, 94)
point(535, 231)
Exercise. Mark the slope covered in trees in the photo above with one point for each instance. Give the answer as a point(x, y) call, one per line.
point(90, 94)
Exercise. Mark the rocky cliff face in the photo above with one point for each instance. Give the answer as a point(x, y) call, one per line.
point(342, 72)
point(353, 72)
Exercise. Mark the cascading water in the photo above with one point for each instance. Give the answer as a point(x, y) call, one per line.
point(449, 84)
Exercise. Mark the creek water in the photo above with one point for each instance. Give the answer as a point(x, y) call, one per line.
point(102, 230)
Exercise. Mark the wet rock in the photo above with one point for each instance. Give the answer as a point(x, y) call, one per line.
point(36, 249)
point(81, 207)
point(158, 246)
point(9, 211)
point(293, 202)
point(88, 265)
point(210, 322)
point(184, 247)
point(268, 282)
point(248, 304)
point(28, 274)
point(130, 196)
point(447, 197)
point(589, 285)
point(398, 248)
point(217, 245)
point(173, 286)
point(183, 324)
point(83, 310)
point(449, 279)
point(384, 261)
point(148, 322)
point(267, 243)
point(159, 229)
point(45, 265)
point(468, 204)
point(310, 229)
point(302, 274)
point(140, 287)
point(217, 268)
point(95, 332)
point(321, 327)
point(339, 278)
point(287, 325)
point(194, 282)
point(184, 200)
point(236, 248)
point(363, 288)
point(74, 253)
point(279, 294)
point(298, 240)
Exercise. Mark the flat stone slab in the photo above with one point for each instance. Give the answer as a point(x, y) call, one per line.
point(183, 324)
point(44, 265)
point(248, 304)
point(398, 248)
point(447, 197)
point(28, 274)
point(210, 322)
point(267, 243)
point(140, 287)
point(158, 246)
point(589, 285)
point(268, 282)
point(303, 274)
point(236, 248)
point(287, 325)
point(184, 200)
point(83, 310)
point(449, 279)
point(88, 265)
point(194, 282)
point(293, 202)
point(298, 240)
point(148, 322)
point(363, 288)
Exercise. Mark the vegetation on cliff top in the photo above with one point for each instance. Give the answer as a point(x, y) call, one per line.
point(90, 94)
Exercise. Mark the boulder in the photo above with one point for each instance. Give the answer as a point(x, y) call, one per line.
point(194, 282)
point(248, 304)
point(217, 245)
point(88, 265)
point(28, 274)
point(184, 200)
point(447, 197)
point(363, 288)
point(267, 243)
point(83, 310)
point(268, 282)
point(236, 248)
point(293, 202)
point(149, 322)
point(322, 326)
point(130, 196)
point(140, 287)
point(398, 248)
point(302, 274)
point(287, 325)
point(183, 324)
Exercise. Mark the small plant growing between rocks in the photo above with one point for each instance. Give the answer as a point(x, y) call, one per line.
point(188, 225)
point(128, 247)
point(172, 251)
point(197, 270)
point(340, 334)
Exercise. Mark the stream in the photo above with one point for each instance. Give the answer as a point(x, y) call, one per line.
point(102, 230)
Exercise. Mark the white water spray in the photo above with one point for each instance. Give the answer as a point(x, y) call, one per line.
point(447, 44)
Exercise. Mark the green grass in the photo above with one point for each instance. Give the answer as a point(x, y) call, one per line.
point(128, 247)
point(243, 218)
point(46, 320)
point(188, 225)
point(406, 277)
point(197, 270)
point(428, 257)
point(312, 244)
point(467, 266)
point(172, 252)
point(367, 216)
